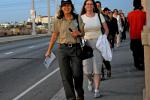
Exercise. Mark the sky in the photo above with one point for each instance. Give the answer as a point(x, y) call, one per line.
point(19, 10)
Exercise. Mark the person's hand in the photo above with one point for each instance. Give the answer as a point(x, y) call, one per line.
point(47, 54)
point(105, 34)
point(75, 34)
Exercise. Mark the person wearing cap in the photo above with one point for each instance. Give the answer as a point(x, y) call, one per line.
point(92, 29)
point(65, 30)
point(136, 20)
point(99, 6)
point(105, 14)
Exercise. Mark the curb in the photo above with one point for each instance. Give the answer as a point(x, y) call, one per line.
point(21, 37)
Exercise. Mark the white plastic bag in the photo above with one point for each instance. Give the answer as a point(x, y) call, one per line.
point(103, 46)
point(49, 60)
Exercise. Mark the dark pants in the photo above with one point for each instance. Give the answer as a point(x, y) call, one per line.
point(111, 39)
point(138, 53)
point(107, 65)
point(71, 70)
point(123, 37)
point(108, 68)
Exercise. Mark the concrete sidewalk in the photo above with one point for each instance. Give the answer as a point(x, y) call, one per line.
point(126, 83)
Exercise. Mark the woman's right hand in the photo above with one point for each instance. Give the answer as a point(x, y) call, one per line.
point(47, 54)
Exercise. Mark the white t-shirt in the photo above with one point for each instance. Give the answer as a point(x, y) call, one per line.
point(120, 28)
point(92, 27)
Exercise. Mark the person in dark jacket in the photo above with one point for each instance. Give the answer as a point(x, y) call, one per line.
point(113, 27)
point(124, 26)
point(106, 63)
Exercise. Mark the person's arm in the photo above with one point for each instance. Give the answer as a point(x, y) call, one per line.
point(55, 31)
point(76, 33)
point(51, 44)
point(105, 28)
point(81, 26)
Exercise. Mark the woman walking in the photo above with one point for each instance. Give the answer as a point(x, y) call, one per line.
point(65, 31)
point(92, 29)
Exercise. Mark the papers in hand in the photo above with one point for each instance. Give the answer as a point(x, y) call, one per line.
point(49, 60)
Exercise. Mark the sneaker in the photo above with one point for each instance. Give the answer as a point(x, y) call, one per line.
point(96, 94)
point(89, 85)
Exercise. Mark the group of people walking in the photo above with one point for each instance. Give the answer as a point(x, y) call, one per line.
point(67, 28)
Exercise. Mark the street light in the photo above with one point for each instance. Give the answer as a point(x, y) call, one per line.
point(56, 8)
point(49, 23)
point(33, 18)
point(56, 4)
point(49, 19)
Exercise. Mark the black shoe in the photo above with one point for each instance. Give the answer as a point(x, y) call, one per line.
point(80, 98)
point(140, 67)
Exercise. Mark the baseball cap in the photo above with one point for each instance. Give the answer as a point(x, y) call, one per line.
point(66, 2)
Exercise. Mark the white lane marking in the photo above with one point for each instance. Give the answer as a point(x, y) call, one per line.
point(31, 47)
point(7, 53)
point(33, 86)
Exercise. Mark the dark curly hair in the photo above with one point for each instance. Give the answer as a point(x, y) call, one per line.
point(61, 13)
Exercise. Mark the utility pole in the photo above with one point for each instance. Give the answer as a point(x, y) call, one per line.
point(33, 18)
point(49, 21)
point(56, 8)
point(56, 4)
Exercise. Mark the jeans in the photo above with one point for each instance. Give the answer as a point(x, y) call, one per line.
point(71, 70)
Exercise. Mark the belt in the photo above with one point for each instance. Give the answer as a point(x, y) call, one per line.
point(69, 44)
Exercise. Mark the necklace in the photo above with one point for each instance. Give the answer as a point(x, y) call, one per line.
point(90, 14)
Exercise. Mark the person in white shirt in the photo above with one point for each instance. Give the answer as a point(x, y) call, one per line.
point(120, 29)
point(92, 29)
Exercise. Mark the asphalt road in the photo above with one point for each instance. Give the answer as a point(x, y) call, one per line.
point(22, 73)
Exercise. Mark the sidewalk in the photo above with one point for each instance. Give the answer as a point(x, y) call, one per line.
point(126, 83)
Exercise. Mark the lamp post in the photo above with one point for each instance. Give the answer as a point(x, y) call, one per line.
point(49, 22)
point(56, 8)
point(33, 18)
point(56, 4)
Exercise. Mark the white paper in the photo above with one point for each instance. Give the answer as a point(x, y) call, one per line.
point(49, 60)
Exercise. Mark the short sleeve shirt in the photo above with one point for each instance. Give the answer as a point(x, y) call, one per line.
point(62, 26)
point(136, 20)
point(92, 26)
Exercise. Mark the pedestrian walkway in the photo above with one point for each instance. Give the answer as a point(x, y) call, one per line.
point(126, 83)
